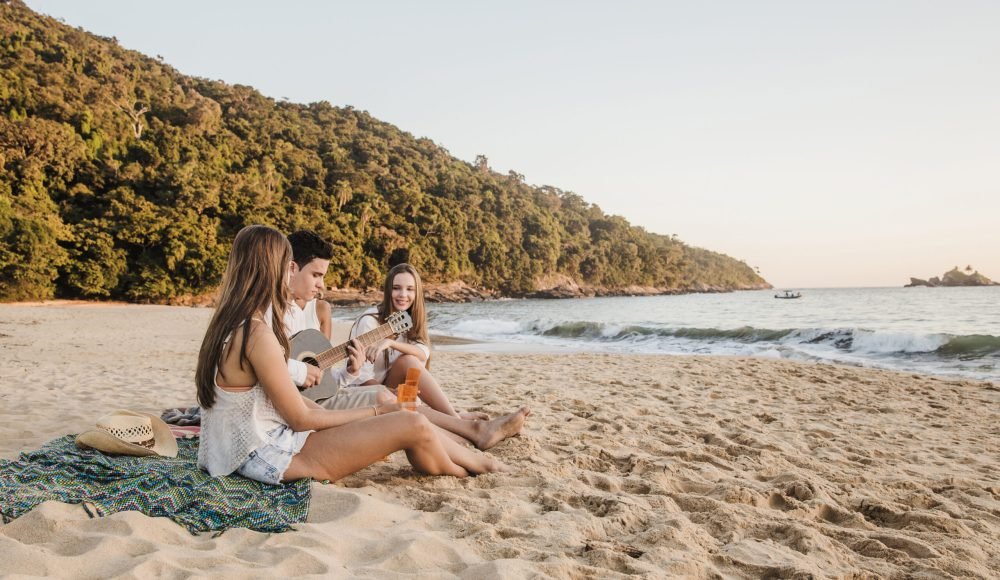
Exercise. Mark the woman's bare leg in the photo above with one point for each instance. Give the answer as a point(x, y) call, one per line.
point(387, 397)
point(474, 461)
point(430, 390)
point(446, 433)
point(340, 451)
point(474, 416)
point(482, 434)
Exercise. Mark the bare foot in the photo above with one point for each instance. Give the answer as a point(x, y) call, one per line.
point(474, 416)
point(489, 433)
point(488, 464)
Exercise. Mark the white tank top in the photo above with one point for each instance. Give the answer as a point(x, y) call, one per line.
point(234, 427)
point(299, 319)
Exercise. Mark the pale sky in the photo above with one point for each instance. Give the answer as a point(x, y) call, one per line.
point(850, 143)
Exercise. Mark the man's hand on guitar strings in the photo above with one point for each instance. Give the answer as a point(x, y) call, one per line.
point(355, 360)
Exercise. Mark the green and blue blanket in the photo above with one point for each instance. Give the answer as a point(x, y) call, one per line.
point(156, 486)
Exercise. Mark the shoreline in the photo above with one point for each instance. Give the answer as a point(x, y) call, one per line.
point(435, 293)
point(341, 330)
point(457, 344)
point(459, 292)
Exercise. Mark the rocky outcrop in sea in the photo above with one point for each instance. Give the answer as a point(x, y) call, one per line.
point(954, 277)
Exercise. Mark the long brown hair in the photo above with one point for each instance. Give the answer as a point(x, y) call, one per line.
point(417, 311)
point(254, 280)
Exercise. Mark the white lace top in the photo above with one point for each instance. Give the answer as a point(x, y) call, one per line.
point(235, 426)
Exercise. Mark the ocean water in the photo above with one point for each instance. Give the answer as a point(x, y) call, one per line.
point(939, 331)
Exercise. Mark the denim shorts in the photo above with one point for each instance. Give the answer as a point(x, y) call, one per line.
point(269, 462)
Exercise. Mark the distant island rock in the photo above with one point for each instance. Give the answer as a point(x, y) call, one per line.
point(954, 277)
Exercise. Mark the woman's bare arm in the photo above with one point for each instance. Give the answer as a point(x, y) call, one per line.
point(409, 348)
point(268, 362)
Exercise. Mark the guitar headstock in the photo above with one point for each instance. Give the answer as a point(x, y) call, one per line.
point(399, 322)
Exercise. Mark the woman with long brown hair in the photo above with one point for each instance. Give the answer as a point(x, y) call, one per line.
point(255, 422)
point(389, 359)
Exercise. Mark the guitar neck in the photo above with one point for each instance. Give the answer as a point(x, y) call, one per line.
point(328, 358)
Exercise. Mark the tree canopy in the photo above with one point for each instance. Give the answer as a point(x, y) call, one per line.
point(122, 178)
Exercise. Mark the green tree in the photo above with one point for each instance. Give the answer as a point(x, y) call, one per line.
point(122, 178)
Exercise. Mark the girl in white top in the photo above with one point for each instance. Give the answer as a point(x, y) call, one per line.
point(387, 361)
point(255, 422)
point(378, 369)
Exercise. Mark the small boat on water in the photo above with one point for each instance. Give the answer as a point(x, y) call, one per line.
point(788, 294)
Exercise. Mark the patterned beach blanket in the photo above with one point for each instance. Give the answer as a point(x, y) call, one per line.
point(182, 416)
point(185, 431)
point(156, 486)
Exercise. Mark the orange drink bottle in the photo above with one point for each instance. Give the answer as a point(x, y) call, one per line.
point(406, 393)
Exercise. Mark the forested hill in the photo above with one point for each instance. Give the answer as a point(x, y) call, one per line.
point(122, 178)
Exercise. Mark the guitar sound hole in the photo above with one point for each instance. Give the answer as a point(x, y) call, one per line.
point(310, 361)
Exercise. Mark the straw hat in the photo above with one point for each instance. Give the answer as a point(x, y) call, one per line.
point(128, 433)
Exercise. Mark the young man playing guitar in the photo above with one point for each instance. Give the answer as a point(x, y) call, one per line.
point(311, 257)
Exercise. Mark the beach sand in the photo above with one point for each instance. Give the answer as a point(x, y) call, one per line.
point(693, 467)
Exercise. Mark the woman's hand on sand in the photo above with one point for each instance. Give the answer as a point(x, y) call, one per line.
point(373, 351)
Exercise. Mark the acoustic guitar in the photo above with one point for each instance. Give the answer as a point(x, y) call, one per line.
point(311, 347)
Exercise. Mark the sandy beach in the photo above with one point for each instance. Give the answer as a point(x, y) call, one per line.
point(658, 466)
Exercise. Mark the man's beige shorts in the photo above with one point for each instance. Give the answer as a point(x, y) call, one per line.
point(353, 397)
